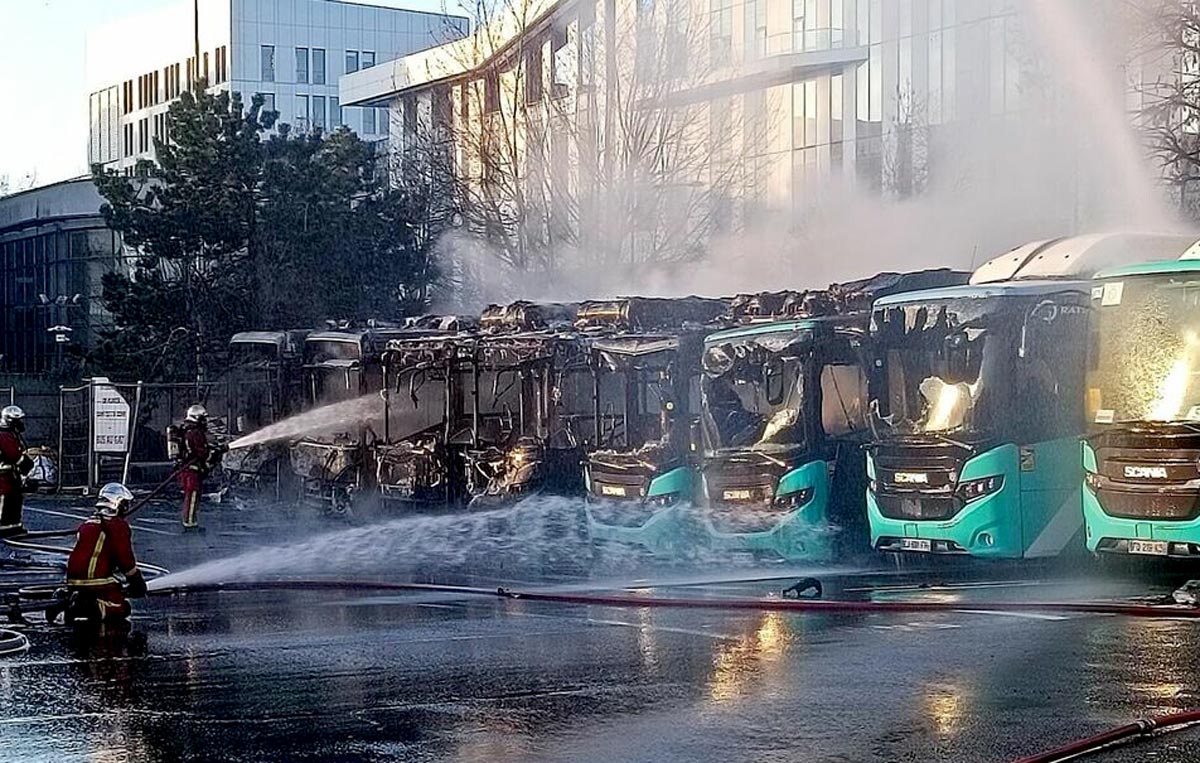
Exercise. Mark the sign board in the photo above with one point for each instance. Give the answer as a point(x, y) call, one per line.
point(110, 419)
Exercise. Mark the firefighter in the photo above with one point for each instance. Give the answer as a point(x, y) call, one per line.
point(103, 548)
point(14, 465)
point(195, 456)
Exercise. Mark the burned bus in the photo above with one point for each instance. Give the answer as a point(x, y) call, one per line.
point(645, 358)
point(783, 401)
point(531, 403)
point(430, 419)
point(265, 387)
point(979, 398)
point(342, 366)
point(1141, 454)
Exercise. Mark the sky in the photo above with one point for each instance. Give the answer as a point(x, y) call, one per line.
point(43, 132)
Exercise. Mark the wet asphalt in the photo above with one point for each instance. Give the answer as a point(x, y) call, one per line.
point(349, 676)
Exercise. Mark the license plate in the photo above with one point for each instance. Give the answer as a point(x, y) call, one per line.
point(1152, 547)
point(737, 495)
point(612, 490)
point(915, 544)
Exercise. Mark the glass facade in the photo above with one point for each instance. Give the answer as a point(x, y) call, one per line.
point(50, 276)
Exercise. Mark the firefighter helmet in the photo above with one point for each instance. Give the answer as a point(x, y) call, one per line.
point(196, 412)
point(12, 417)
point(114, 500)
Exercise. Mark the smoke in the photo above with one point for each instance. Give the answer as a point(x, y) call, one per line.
point(1032, 141)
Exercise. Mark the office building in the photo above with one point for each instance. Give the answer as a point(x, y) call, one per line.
point(290, 51)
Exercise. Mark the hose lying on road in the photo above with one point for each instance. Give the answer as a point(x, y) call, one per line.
point(739, 603)
point(150, 569)
point(12, 642)
point(1130, 732)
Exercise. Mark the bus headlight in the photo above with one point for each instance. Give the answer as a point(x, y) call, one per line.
point(1092, 480)
point(973, 490)
point(663, 501)
point(794, 500)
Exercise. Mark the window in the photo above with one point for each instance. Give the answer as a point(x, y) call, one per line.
point(533, 74)
point(268, 63)
point(207, 79)
point(268, 102)
point(368, 121)
point(335, 113)
point(368, 59)
point(302, 65)
point(843, 388)
point(318, 111)
point(561, 63)
point(721, 32)
point(384, 122)
point(318, 66)
point(302, 121)
point(351, 61)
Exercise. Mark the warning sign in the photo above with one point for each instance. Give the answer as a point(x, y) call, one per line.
point(110, 420)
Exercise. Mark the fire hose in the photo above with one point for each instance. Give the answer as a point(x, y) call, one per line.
point(1140, 729)
point(12, 642)
point(23, 541)
point(724, 603)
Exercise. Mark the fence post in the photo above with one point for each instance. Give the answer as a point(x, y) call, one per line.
point(62, 456)
point(91, 441)
point(129, 442)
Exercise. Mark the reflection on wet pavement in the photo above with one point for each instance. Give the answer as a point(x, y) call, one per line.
point(334, 676)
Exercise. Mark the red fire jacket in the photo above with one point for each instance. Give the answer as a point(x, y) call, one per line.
point(195, 447)
point(102, 548)
point(11, 450)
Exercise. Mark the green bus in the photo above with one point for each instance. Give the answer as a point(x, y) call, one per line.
point(978, 403)
point(1141, 455)
point(782, 411)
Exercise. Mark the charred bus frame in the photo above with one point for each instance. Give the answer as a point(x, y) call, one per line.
point(644, 352)
point(528, 353)
point(333, 468)
point(425, 467)
point(266, 387)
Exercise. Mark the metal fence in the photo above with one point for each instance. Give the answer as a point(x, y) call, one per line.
point(86, 461)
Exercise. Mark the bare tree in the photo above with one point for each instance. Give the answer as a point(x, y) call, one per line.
point(1165, 69)
point(581, 136)
point(906, 149)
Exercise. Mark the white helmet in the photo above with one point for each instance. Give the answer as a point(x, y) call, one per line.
point(113, 500)
point(12, 417)
point(196, 412)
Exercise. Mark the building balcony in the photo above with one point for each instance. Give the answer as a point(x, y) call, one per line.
point(807, 41)
point(780, 59)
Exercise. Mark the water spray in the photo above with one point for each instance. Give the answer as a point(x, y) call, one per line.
point(360, 410)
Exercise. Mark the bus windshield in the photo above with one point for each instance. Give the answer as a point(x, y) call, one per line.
point(1145, 363)
point(753, 396)
point(998, 366)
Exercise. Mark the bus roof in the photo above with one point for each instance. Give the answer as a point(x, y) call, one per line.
point(1009, 289)
point(1082, 256)
point(1158, 267)
point(775, 327)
